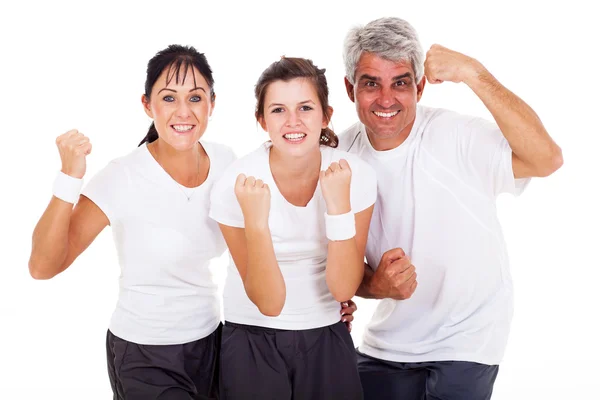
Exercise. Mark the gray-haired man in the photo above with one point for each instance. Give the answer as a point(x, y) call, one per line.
point(439, 174)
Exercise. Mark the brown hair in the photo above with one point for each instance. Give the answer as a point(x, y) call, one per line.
point(290, 68)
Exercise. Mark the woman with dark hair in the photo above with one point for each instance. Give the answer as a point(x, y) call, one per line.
point(295, 215)
point(164, 335)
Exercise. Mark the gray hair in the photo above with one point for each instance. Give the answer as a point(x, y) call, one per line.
point(390, 38)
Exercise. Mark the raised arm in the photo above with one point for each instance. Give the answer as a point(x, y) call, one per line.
point(252, 250)
point(347, 232)
point(64, 232)
point(534, 151)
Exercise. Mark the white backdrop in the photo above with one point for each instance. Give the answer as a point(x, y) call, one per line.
point(82, 65)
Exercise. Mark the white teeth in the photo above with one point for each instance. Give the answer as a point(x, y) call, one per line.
point(294, 136)
point(182, 128)
point(385, 115)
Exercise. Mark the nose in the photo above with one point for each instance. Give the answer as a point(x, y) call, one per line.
point(293, 119)
point(183, 109)
point(386, 97)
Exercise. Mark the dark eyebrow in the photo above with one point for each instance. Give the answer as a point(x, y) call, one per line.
point(368, 78)
point(175, 91)
point(280, 105)
point(406, 75)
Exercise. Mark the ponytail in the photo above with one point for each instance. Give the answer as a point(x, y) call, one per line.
point(151, 136)
point(328, 138)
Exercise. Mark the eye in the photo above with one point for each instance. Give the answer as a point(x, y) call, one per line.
point(195, 99)
point(277, 110)
point(169, 99)
point(370, 84)
point(400, 83)
point(306, 108)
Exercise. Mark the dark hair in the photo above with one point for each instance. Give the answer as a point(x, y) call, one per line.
point(178, 60)
point(290, 68)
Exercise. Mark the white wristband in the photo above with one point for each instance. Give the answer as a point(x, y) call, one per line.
point(66, 187)
point(340, 227)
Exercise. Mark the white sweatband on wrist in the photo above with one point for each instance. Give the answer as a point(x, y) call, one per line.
point(340, 227)
point(66, 187)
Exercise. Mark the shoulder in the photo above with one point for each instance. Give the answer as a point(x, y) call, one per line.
point(253, 163)
point(350, 137)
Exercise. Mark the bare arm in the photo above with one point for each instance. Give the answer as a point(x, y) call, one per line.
point(344, 271)
point(62, 234)
point(534, 151)
point(253, 255)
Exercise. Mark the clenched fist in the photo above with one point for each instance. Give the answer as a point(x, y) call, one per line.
point(395, 276)
point(335, 185)
point(73, 147)
point(445, 65)
point(254, 197)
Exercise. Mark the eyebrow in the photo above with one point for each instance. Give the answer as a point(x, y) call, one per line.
point(302, 102)
point(175, 91)
point(377, 79)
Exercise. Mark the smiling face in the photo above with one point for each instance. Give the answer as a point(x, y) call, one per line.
point(180, 107)
point(293, 116)
point(386, 96)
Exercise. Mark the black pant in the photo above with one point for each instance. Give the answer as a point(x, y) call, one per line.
point(437, 380)
point(312, 364)
point(171, 372)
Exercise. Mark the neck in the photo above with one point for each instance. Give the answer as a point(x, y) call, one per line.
point(297, 168)
point(382, 143)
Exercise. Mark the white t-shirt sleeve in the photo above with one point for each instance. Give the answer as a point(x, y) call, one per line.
point(363, 186)
point(108, 189)
point(476, 149)
point(224, 207)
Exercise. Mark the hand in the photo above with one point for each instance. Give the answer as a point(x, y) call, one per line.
point(443, 65)
point(254, 197)
point(73, 147)
point(395, 277)
point(348, 308)
point(335, 185)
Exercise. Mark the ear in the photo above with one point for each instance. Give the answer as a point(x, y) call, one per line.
point(327, 118)
point(421, 87)
point(349, 89)
point(262, 123)
point(212, 105)
point(146, 103)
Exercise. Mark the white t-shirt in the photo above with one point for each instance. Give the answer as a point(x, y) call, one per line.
point(167, 294)
point(299, 242)
point(436, 200)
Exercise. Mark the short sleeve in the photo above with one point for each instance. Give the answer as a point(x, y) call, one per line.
point(477, 151)
point(363, 186)
point(224, 207)
point(107, 189)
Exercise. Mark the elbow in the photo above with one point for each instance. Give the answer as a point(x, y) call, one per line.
point(554, 162)
point(38, 271)
point(270, 310)
point(341, 294)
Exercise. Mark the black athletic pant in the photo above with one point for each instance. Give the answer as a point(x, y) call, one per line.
point(273, 364)
point(437, 380)
point(170, 372)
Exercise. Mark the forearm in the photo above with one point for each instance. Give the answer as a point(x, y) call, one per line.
point(519, 124)
point(50, 240)
point(263, 280)
point(366, 289)
point(344, 271)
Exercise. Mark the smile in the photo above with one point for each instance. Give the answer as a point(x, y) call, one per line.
point(386, 114)
point(294, 137)
point(182, 128)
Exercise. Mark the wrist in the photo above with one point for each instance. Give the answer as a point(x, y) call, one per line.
point(66, 187)
point(337, 209)
point(340, 226)
point(475, 73)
